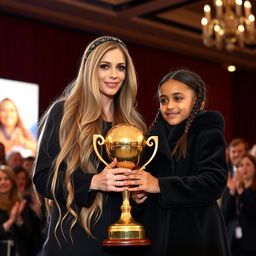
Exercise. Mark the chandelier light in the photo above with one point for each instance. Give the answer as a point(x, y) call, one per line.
point(233, 25)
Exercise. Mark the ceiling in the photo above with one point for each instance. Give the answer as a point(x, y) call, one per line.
point(173, 25)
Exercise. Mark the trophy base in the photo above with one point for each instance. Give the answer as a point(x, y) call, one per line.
point(130, 233)
point(126, 242)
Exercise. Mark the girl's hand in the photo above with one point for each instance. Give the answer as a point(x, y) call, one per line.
point(139, 197)
point(111, 179)
point(143, 181)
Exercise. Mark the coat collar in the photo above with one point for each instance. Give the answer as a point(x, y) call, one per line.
point(168, 135)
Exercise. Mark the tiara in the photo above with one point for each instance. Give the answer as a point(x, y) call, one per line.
point(103, 40)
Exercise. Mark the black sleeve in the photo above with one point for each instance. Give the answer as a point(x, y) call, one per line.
point(208, 174)
point(48, 151)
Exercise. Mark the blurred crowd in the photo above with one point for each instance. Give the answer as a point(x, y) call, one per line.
point(239, 199)
point(22, 222)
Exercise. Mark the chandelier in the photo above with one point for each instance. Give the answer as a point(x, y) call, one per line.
point(233, 25)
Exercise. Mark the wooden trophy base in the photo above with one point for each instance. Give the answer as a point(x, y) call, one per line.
point(126, 242)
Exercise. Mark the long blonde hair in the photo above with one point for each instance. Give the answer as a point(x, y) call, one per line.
point(83, 117)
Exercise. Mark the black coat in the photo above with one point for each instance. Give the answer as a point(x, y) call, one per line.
point(79, 243)
point(184, 218)
point(241, 210)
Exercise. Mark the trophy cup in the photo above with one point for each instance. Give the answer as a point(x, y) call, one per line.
point(125, 142)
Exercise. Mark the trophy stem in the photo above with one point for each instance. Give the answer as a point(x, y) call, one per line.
point(126, 231)
point(126, 227)
point(126, 216)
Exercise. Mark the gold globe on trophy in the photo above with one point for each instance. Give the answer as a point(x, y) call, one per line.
point(126, 143)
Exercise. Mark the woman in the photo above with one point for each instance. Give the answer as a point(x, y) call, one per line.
point(22, 181)
point(13, 133)
point(239, 207)
point(187, 175)
point(34, 212)
point(83, 199)
point(15, 228)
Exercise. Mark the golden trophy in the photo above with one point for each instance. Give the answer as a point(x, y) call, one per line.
point(125, 142)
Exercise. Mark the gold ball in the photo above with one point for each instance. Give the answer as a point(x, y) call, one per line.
point(126, 143)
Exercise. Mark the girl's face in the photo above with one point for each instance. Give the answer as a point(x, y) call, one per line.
point(5, 184)
point(176, 101)
point(247, 169)
point(8, 114)
point(111, 72)
point(21, 180)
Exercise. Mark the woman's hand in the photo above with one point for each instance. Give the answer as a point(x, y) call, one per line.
point(143, 181)
point(114, 179)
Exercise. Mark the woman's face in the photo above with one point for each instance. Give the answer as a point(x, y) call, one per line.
point(21, 181)
point(111, 72)
point(5, 184)
point(247, 169)
point(176, 101)
point(8, 114)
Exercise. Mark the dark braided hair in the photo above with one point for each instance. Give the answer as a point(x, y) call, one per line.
point(194, 82)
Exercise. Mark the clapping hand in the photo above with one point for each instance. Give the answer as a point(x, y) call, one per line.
point(16, 210)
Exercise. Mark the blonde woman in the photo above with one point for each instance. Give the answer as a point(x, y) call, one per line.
point(83, 194)
point(13, 133)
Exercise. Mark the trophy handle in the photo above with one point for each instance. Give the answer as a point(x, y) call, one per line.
point(100, 142)
point(150, 144)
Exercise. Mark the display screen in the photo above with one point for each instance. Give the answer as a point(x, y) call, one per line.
point(25, 97)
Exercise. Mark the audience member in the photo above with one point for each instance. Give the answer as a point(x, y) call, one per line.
point(28, 164)
point(239, 207)
point(15, 228)
point(23, 181)
point(13, 133)
point(236, 148)
point(14, 159)
point(24, 185)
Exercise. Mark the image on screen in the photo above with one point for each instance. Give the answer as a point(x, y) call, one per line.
point(19, 103)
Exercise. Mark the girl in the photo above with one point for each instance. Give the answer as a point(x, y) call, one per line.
point(239, 206)
point(187, 175)
point(83, 199)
